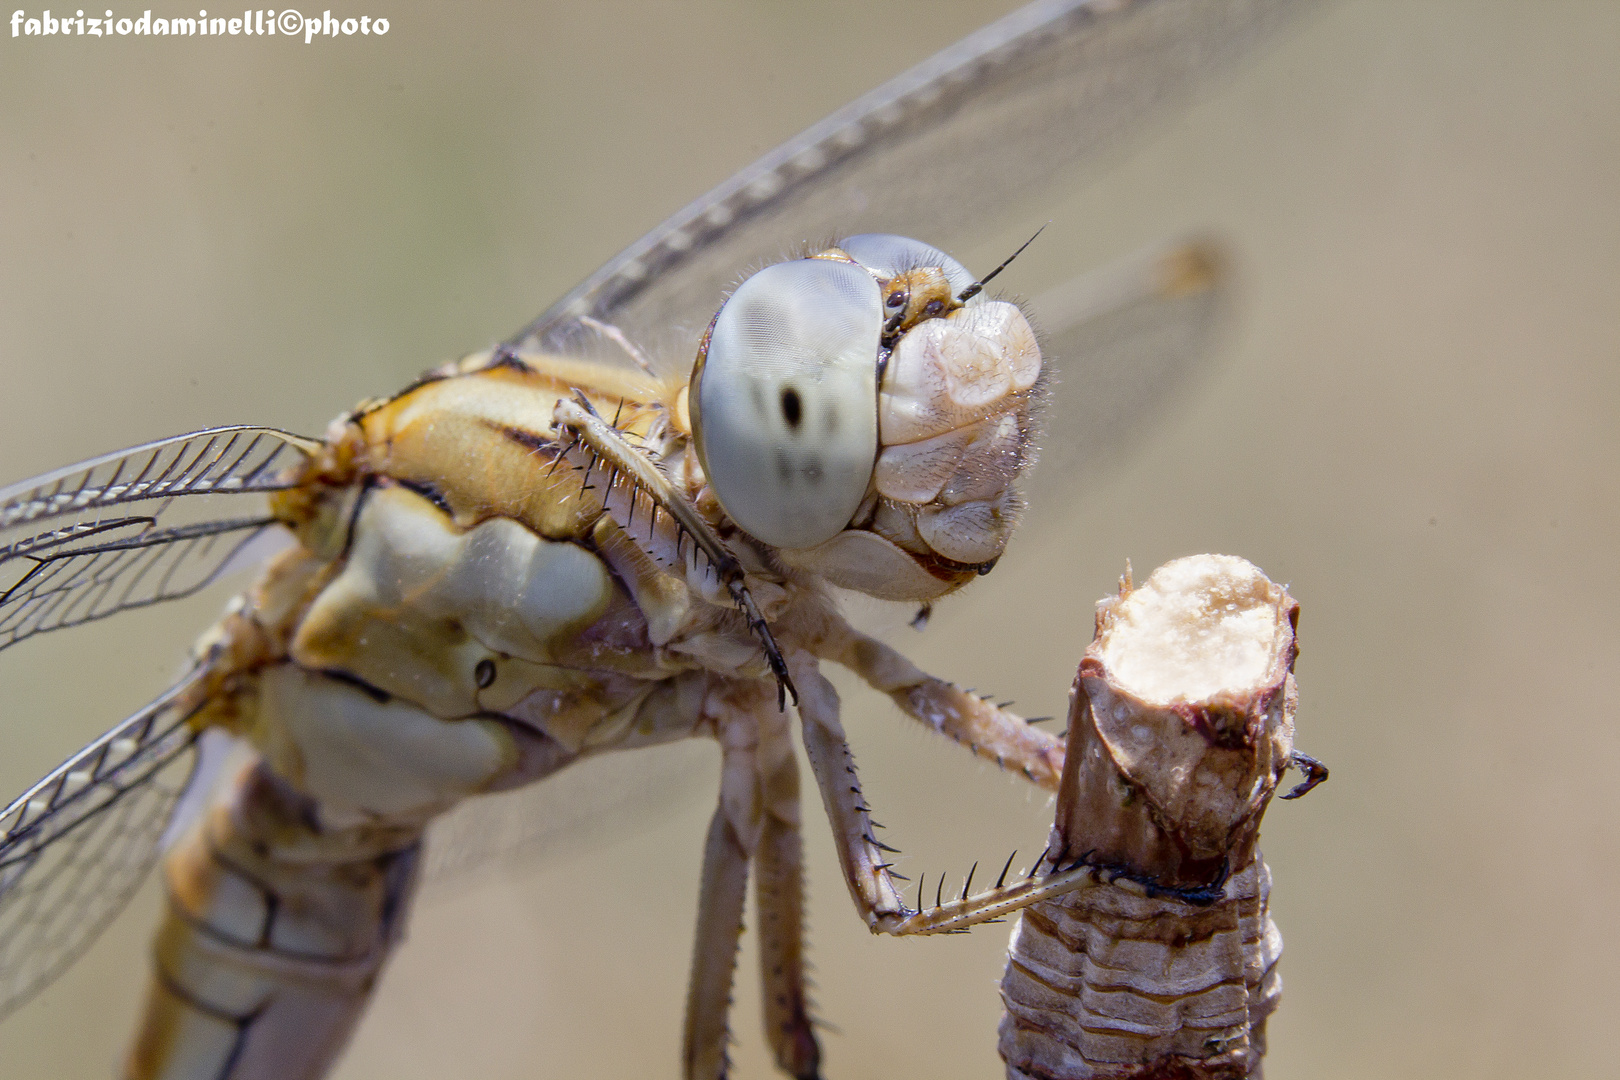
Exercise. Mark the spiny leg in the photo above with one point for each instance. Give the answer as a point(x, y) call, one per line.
point(779, 896)
point(714, 953)
point(871, 885)
point(988, 730)
point(734, 833)
point(607, 443)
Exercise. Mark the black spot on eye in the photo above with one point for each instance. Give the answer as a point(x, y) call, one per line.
point(484, 673)
point(897, 299)
point(784, 467)
point(792, 407)
point(934, 307)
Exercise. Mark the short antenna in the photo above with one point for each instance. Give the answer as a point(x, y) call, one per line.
point(973, 290)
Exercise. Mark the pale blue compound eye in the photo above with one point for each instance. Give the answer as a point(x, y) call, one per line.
point(887, 255)
point(786, 396)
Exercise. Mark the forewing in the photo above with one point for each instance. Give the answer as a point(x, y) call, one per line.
point(933, 153)
point(137, 527)
point(74, 847)
point(1141, 330)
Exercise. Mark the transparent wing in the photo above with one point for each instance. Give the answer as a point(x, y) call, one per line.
point(128, 529)
point(940, 153)
point(584, 805)
point(124, 530)
point(74, 847)
point(1145, 328)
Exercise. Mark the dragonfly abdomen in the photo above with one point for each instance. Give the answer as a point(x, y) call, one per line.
point(275, 933)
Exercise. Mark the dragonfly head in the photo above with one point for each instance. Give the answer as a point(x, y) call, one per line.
point(918, 282)
point(851, 410)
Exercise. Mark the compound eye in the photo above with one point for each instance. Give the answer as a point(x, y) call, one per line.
point(888, 255)
point(786, 400)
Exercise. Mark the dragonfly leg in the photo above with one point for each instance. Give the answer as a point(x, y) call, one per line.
point(631, 473)
point(779, 897)
point(733, 836)
point(954, 916)
point(871, 886)
point(985, 728)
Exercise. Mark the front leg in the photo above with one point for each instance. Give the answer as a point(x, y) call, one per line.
point(871, 885)
point(989, 731)
point(631, 473)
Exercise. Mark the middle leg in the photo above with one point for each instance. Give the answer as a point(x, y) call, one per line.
point(733, 836)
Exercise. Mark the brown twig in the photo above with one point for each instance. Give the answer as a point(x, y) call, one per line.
point(1181, 725)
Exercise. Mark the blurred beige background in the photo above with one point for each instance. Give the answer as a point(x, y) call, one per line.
point(1415, 421)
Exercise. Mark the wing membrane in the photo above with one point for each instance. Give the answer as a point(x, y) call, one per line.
point(1137, 334)
point(581, 807)
point(222, 460)
point(118, 531)
point(934, 153)
point(79, 584)
point(126, 530)
point(74, 847)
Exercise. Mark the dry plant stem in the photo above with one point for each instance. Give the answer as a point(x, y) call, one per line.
point(1181, 725)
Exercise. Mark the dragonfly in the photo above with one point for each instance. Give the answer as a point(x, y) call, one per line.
point(529, 557)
